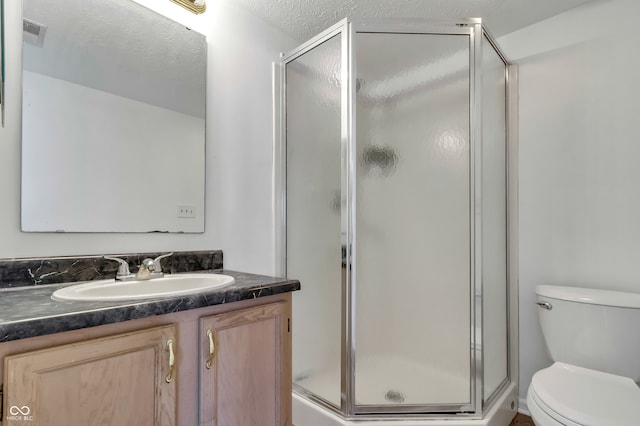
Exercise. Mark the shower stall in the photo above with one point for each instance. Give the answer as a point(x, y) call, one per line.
point(392, 174)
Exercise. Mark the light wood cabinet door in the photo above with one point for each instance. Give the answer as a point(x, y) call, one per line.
point(117, 380)
point(246, 367)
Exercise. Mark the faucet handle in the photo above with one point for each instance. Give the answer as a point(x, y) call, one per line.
point(123, 269)
point(147, 270)
point(150, 264)
point(156, 262)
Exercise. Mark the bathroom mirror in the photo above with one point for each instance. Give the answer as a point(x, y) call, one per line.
point(113, 119)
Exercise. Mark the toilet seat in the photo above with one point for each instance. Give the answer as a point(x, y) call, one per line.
point(542, 414)
point(564, 394)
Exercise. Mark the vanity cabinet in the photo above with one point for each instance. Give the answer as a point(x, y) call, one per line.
point(246, 367)
point(126, 379)
point(222, 365)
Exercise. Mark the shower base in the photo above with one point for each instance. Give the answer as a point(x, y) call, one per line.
point(401, 381)
point(308, 413)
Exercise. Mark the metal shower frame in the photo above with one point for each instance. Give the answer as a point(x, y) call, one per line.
point(346, 29)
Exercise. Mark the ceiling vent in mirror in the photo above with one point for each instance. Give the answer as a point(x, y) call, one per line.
point(33, 32)
point(195, 6)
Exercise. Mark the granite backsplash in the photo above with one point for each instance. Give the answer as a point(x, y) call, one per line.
point(20, 272)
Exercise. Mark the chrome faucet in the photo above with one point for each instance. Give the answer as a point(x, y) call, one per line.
point(150, 268)
point(123, 273)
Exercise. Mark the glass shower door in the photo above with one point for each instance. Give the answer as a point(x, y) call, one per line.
point(412, 221)
point(494, 219)
point(313, 213)
point(394, 180)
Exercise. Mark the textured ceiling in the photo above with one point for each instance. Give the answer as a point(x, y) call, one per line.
point(302, 19)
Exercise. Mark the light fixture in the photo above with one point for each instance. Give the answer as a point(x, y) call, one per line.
point(195, 6)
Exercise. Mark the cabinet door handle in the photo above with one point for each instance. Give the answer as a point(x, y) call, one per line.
point(172, 363)
point(212, 349)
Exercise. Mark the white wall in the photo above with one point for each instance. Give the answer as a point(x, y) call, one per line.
point(238, 158)
point(579, 151)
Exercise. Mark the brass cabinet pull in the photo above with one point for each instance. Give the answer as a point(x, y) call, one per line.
point(212, 349)
point(172, 363)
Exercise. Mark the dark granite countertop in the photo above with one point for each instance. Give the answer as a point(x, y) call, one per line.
point(30, 311)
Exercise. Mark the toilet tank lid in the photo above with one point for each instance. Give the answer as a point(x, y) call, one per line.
point(592, 296)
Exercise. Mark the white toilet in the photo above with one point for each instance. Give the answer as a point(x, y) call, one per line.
point(592, 335)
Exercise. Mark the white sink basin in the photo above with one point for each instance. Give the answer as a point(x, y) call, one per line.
point(167, 286)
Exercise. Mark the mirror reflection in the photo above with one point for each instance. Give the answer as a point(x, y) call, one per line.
point(113, 129)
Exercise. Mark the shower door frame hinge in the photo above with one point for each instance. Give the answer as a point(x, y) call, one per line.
point(288, 331)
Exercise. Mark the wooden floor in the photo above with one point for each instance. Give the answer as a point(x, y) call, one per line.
point(522, 420)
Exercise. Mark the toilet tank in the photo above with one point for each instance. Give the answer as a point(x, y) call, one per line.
point(590, 328)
